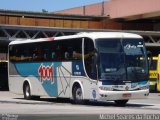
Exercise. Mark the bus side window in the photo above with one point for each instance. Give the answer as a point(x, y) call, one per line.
point(77, 49)
point(54, 51)
point(66, 50)
point(49, 51)
point(66, 55)
point(53, 55)
point(34, 55)
point(45, 55)
point(58, 53)
point(71, 49)
point(12, 54)
point(18, 53)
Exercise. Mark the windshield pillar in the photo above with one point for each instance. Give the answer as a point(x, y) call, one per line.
point(90, 58)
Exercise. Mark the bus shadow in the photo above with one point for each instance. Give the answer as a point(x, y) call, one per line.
point(112, 104)
point(46, 100)
point(4, 88)
point(88, 103)
point(153, 91)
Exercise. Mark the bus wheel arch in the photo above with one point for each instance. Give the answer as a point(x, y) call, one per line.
point(27, 90)
point(77, 93)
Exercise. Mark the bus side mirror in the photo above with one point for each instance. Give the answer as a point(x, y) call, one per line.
point(149, 56)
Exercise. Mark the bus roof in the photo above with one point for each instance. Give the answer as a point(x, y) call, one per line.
point(92, 35)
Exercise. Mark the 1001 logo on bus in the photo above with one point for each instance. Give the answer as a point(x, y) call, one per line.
point(46, 73)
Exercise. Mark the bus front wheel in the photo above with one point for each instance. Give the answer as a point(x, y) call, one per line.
point(121, 102)
point(27, 91)
point(77, 95)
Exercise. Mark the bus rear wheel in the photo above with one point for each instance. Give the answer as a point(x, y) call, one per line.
point(77, 95)
point(121, 102)
point(27, 91)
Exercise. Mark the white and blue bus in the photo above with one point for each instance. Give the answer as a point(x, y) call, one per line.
point(98, 66)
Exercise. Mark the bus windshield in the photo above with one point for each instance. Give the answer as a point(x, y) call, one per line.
point(122, 59)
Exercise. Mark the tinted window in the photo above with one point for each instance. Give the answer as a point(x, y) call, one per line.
point(61, 50)
point(90, 58)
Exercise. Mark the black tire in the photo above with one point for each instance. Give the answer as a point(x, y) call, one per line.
point(27, 92)
point(77, 95)
point(35, 97)
point(121, 102)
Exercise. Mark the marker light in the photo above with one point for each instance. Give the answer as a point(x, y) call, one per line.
point(51, 38)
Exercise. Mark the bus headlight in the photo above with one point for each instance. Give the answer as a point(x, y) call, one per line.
point(105, 88)
point(144, 87)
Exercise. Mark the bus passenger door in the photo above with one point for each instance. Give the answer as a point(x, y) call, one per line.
point(90, 62)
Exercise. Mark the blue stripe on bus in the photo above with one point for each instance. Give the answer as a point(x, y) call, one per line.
point(48, 79)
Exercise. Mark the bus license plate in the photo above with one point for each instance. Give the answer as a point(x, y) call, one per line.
point(126, 95)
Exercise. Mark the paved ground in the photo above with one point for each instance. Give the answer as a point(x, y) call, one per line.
point(11, 104)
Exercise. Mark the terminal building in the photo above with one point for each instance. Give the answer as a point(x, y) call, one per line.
point(135, 16)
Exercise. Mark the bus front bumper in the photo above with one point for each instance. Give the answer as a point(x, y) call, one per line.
point(123, 95)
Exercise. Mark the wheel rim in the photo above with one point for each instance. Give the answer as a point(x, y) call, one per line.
point(27, 91)
point(79, 94)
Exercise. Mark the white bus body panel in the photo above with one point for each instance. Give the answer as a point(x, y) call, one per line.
point(16, 85)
